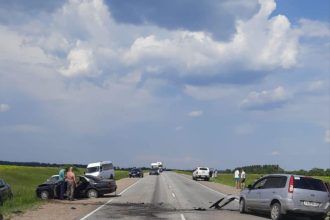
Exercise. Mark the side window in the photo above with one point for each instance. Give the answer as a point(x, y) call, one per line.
point(107, 167)
point(275, 182)
point(259, 184)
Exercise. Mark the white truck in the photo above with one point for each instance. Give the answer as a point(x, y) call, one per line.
point(158, 165)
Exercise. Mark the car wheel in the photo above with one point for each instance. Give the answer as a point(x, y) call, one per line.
point(275, 212)
point(242, 207)
point(92, 193)
point(44, 195)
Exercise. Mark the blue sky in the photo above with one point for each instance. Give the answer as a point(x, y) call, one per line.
point(190, 83)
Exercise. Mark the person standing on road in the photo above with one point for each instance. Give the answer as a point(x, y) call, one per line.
point(243, 176)
point(71, 180)
point(237, 178)
point(61, 178)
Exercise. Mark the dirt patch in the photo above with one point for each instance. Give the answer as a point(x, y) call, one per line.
point(63, 209)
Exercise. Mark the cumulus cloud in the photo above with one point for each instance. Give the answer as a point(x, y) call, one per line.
point(266, 99)
point(327, 136)
point(4, 107)
point(81, 62)
point(195, 113)
point(313, 28)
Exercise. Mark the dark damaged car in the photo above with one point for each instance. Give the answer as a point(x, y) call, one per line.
point(135, 172)
point(5, 192)
point(87, 186)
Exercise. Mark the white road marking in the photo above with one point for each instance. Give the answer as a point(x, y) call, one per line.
point(182, 217)
point(100, 207)
point(205, 186)
point(173, 195)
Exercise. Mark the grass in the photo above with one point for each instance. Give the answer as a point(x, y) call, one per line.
point(228, 179)
point(24, 180)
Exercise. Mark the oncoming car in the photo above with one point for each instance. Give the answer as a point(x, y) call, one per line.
point(201, 173)
point(281, 194)
point(87, 186)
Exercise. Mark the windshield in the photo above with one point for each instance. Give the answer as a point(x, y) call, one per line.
point(92, 169)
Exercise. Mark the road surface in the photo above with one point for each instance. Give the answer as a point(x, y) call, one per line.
point(168, 196)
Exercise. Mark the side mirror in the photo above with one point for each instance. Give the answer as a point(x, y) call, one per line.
point(249, 186)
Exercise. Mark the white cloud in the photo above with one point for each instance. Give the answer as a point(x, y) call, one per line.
point(208, 92)
point(195, 113)
point(4, 107)
point(81, 62)
point(327, 136)
point(266, 99)
point(312, 28)
point(316, 85)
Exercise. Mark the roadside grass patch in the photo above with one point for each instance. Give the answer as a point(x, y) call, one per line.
point(24, 181)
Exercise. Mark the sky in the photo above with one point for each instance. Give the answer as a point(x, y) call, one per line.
point(190, 83)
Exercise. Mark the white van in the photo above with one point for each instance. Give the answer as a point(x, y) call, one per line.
point(102, 170)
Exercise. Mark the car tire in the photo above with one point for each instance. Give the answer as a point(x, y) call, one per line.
point(275, 211)
point(44, 195)
point(92, 193)
point(242, 206)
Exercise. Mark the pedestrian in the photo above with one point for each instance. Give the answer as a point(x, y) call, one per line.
point(243, 177)
point(211, 173)
point(61, 178)
point(237, 178)
point(71, 181)
point(215, 173)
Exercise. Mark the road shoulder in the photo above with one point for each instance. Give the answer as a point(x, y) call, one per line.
point(57, 209)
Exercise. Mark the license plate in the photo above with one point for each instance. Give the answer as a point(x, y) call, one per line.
point(311, 204)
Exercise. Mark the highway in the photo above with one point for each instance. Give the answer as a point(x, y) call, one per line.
point(168, 196)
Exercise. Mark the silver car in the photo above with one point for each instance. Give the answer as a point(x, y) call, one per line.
point(281, 194)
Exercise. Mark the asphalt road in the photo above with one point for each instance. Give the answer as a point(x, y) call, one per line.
point(168, 196)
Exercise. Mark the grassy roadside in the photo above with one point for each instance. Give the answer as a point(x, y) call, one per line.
point(228, 179)
point(24, 180)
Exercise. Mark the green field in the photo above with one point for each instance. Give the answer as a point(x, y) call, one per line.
point(228, 179)
point(24, 180)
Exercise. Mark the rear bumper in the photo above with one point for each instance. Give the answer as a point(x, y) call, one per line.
point(291, 207)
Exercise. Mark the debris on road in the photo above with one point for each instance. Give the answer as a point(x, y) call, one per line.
point(225, 201)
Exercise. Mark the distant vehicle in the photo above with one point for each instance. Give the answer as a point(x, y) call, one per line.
point(5, 192)
point(281, 194)
point(154, 171)
point(102, 170)
point(87, 186)
point(135, 172)
point(201, 173)
point(158, 165)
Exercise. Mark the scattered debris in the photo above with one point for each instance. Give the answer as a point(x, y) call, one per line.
point(73, 208)
point(225, 201)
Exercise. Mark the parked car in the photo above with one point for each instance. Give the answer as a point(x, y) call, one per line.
point(102, 169)
point(154, 171)
point(87, 186)
point(281, 194)
point(135, 172)
point(201, 173)
point(5, 191)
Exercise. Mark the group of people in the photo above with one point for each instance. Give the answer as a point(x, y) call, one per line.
point(67, 175)
point(240, 177)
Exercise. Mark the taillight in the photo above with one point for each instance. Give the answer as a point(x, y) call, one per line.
point(291, 182)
